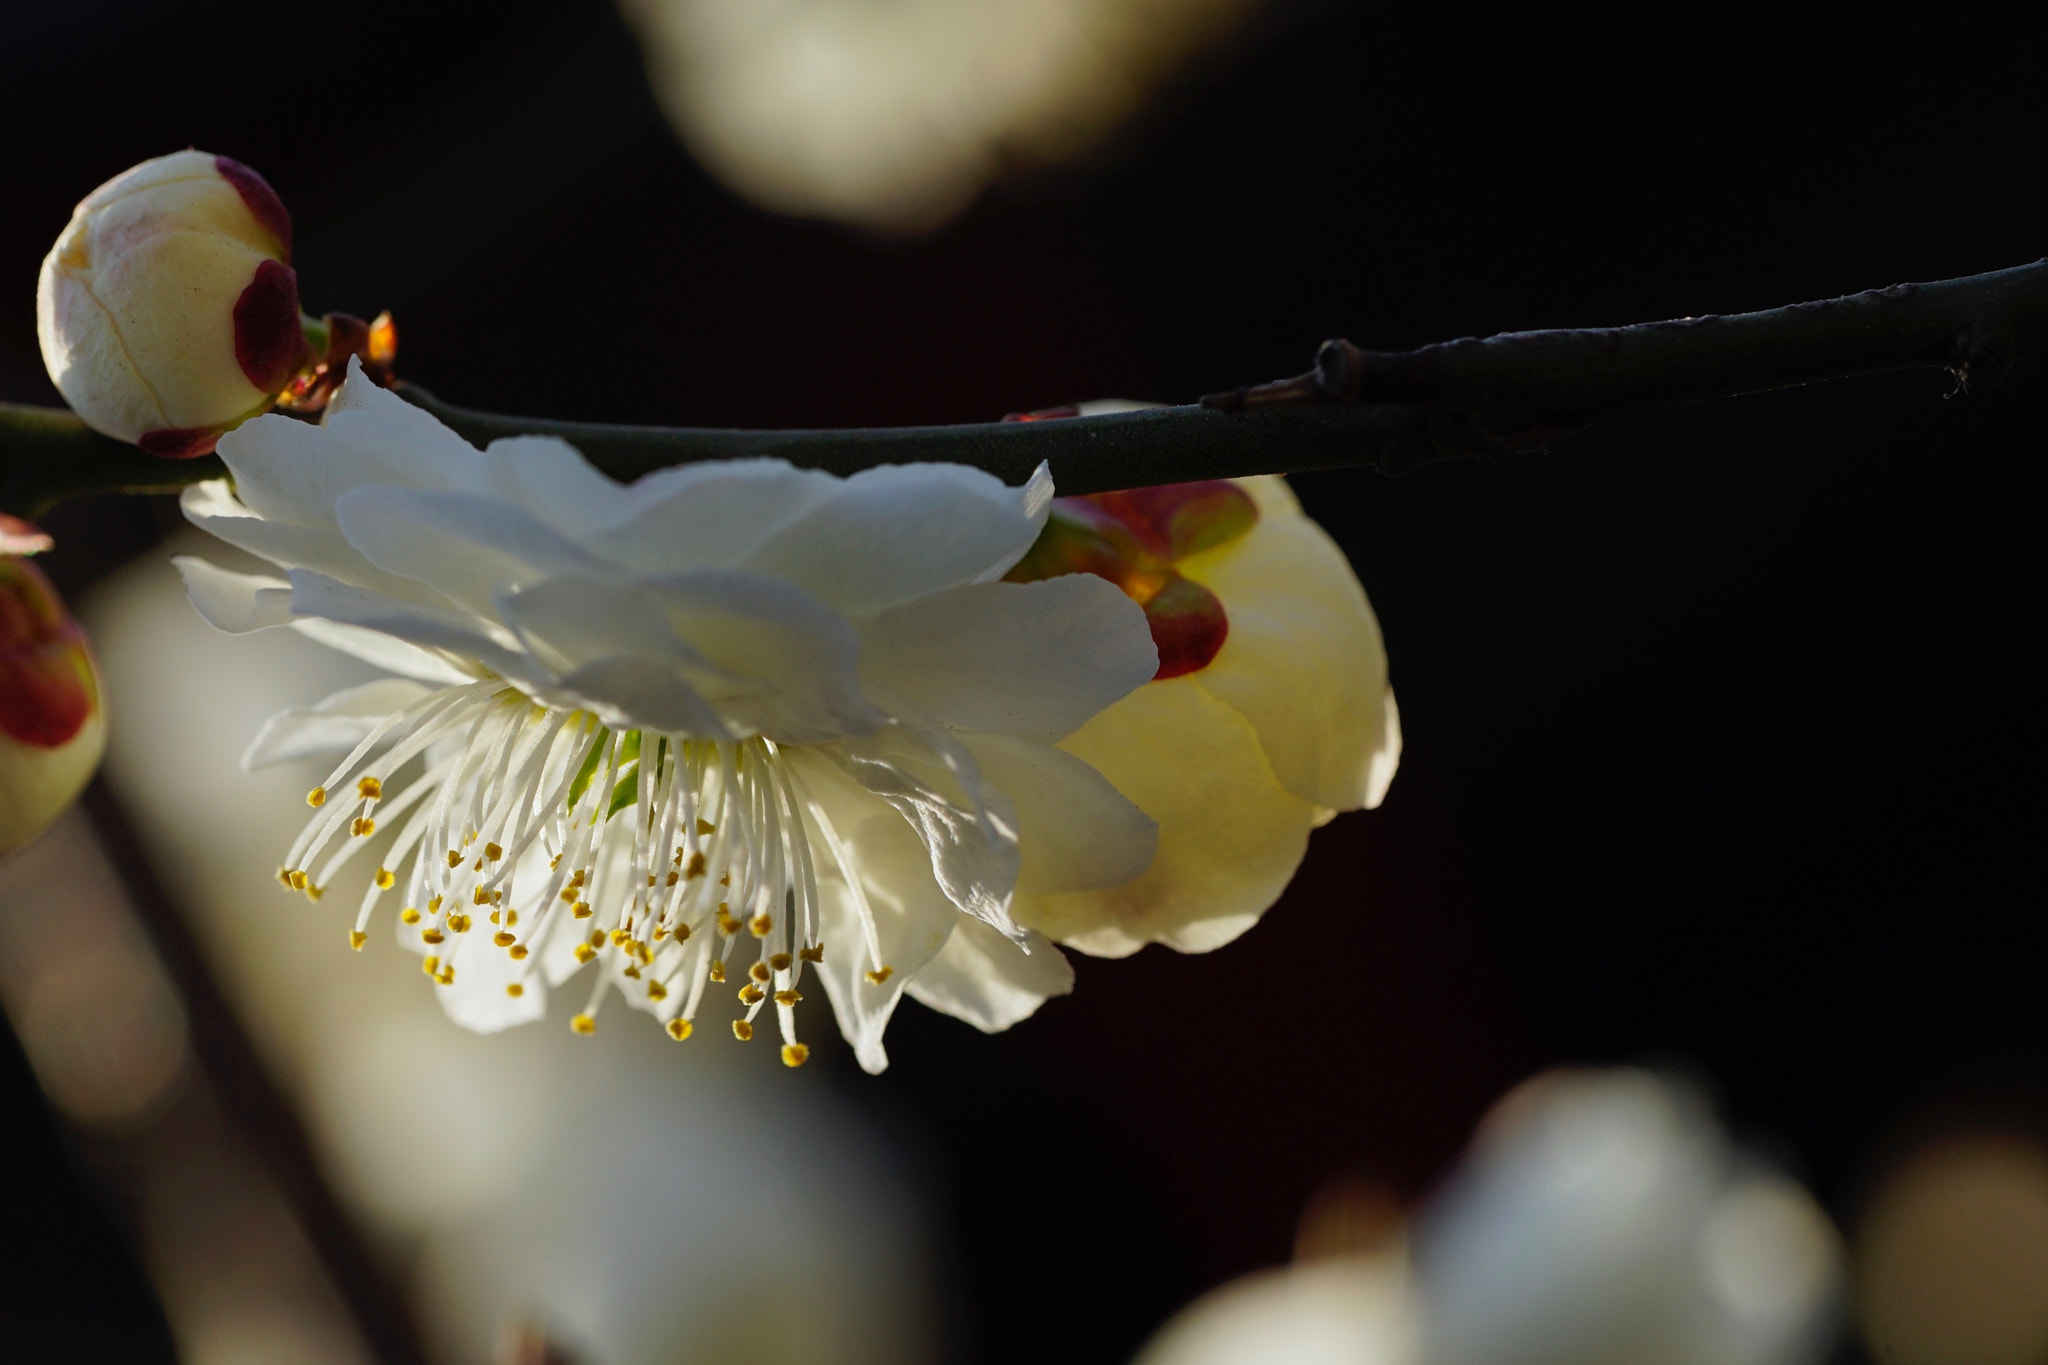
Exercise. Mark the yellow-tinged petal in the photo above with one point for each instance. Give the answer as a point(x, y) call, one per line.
point(1230, 836)
point(1303, 662)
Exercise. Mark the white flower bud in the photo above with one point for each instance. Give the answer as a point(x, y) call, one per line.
point(168, 310)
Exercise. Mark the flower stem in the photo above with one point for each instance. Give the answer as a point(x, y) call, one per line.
point(1391, 411)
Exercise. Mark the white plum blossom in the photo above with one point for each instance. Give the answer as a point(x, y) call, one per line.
point(730, 724)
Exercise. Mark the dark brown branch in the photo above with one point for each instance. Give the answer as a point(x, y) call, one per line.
point(1391, 411)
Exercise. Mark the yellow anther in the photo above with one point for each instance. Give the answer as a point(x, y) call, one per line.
point(742, 1030)
point(314, 893)
point(298, 880)
point(493, 852)
point(317, 797)
point(584, 952)
point(447, 976)
point(660, 932)
point(554, 862)
point(577, 877)
point(673, 878)
point(477, 866)
point(650, 879)
point(431, 936)
point(515, 989)
point(680, 1029)
point(498, 898)
point(632, 971)
point(759, 971)
point(696, 867)
point(717, 972)
point(369, 789)
point(385, 879)
point(357, 938)
point(430, 965)
point(727, 925)
point(814, 953)
point(620, 938)
point(479, 896)
point(706, 827)
point(569, 894)
point(749, 993)
point(795, 1054)
point(503, 939)
point(682, 932)
point(788, 997)
point(761, 925)
point(459, 923)
point(643, 952)
point(363, 826)
point(518, 952)
point(409, 915)
point(725, 879)
point(284, 874)
point(496, 917)
point(582, 1023)
point(469, 838)
point(433, 905)
point(656, 991)
point(780, 962)
point(879, 975)
point(455, 857)
point(581, 909)
point(597, 938)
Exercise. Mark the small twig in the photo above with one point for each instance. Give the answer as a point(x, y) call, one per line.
point(1391, 411)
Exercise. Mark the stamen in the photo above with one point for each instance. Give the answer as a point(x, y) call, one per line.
point(795, 1054)
point(680, 1028)
point(742, 1030)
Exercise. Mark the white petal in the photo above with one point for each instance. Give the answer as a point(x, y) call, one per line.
point(767, 656)
point(1033, 659)
point(333, 726)
point(1230, 836)
point(381, 651)
point(710, 515)
point(896, 533)
point(548, 478)
point(291, 471)
point(234, 602)
point(912, 916)
point(990, 982)
point(1303, 660)
point(214, 509)
point(434, 628)
point(477, 999)
point(1075, 832)
point(969, 829)
point(464, 545)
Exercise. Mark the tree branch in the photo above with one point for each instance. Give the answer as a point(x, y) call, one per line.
point(1391, 411)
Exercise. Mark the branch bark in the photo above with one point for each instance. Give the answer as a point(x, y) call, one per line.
point(1392, 411)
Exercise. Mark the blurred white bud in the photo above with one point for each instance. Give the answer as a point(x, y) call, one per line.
point(168, 310)
point(1603, 1218)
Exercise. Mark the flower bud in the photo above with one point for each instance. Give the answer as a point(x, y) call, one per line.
point(168, 310)
point(52, 729)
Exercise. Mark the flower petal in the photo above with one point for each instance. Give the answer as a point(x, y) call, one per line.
point(332, 726)
point(549, 479)
point(234, 602)
point(214, 509)
point(968, 828)
point(380, 650)
point(766, 656)
point(1230, 836)
point(1303, 661)
point(911, 916)
point(463, 545)
point(893, 534)
point(710, 515)
point(1075, 832)
point(990, 982)
point(477, 998)
point(1034, 659)
point(433, 628)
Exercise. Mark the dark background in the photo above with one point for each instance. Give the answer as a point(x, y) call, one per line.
point(1722, 746)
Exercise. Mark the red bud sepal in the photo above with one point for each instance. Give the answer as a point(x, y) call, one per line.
point(52, 727)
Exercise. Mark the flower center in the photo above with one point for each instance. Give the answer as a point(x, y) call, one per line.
point(532, 841)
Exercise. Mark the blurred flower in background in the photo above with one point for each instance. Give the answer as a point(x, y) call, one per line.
point(51, 726)
point(893, 114)
point(1600, 1217)
point(596, 1187)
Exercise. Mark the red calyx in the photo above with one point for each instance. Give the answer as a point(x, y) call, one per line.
point(270, 345)
point(261, 199)
point(178, 443)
